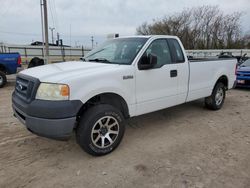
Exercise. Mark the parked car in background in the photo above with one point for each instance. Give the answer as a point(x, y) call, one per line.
point(240, 58)
point(243, 74)
point(9, 63)
point(225, 55)
point(35, 62)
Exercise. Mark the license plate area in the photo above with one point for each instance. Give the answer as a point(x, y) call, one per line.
point(241, 81)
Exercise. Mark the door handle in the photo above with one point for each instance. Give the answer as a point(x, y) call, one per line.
point(173, 73)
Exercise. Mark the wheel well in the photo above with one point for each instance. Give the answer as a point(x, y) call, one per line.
point(223, 79)
point(2, 68)
point(106, 98)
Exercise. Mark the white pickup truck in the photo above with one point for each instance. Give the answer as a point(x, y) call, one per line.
point(124, 77)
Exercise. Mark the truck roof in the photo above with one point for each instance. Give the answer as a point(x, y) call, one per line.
point(149, 36)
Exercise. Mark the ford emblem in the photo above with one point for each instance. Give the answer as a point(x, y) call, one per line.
point(20, 87)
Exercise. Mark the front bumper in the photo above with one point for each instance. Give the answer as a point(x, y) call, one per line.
point(59, 129)
point(246, 83)
point(50, 119)
point(243, 79)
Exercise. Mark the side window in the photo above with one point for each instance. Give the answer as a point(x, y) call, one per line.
point(176, 51)
point(160, 49)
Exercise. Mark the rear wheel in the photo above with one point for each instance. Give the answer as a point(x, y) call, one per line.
point(3, 79)
point(216, 100)
point(100, 130)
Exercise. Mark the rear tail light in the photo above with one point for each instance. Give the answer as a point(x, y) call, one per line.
point(19, 60)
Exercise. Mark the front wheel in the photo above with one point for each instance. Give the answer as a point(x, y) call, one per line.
point(3, 79)
point(100, 130)
point(216, 100)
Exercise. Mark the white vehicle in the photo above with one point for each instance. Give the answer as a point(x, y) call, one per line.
point(122, 78)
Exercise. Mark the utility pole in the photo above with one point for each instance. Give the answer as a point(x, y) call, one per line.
point(41, 3)
point(76, 44)
point(58, 38)
point(46, 31)
point(52, 34)
point(92, 41)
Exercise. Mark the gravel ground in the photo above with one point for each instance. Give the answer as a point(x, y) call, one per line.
point(184, 146)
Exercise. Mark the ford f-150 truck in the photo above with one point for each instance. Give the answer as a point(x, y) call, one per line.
point(124, 77)
point(9, 62)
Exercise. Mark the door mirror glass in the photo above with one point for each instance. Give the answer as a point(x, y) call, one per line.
point(147, 62)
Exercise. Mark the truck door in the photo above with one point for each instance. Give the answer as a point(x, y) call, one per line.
point(157, 87)
point(182, 67)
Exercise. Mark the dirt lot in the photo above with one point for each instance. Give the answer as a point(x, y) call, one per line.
point(184, 146)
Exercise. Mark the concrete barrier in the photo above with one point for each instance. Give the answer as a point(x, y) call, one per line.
point(214, 53)
point(56, 53)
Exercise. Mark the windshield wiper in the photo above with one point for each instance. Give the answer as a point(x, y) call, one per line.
point(96, 52)
point(99, 60)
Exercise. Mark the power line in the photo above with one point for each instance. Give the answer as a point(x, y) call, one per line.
point(19, 33)
point(56, 18)
point(51, 13)
point(81, 36)
point(52, 34)
point(36, 34)
point(9, 3)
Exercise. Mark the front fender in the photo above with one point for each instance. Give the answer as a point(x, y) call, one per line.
point(90, 89)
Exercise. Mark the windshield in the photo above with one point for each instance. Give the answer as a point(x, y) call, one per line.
point(246, 63)
point(117, 51)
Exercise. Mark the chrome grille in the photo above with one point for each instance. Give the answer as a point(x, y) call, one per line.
point(26, 87)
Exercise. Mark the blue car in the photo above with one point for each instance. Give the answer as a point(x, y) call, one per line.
point(243, 75)
point(9, 63)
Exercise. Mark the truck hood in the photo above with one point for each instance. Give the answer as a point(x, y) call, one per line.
point(58, 72)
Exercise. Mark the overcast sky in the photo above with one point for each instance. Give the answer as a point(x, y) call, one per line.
point(20, 20)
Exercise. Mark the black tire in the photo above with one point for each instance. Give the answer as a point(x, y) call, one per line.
point(3, 79)
point(216, 100)
point(35, 62)
point(90, 135)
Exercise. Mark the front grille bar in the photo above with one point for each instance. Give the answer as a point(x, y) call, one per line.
point(26, 87)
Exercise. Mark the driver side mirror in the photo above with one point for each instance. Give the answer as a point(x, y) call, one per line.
point(147, 62)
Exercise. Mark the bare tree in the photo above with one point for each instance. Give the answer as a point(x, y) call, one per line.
point(202, 27)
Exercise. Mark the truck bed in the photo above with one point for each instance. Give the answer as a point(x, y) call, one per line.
point(208, 59)
point(202, 78)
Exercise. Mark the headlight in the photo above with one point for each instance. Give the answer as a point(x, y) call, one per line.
point(54, 92)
